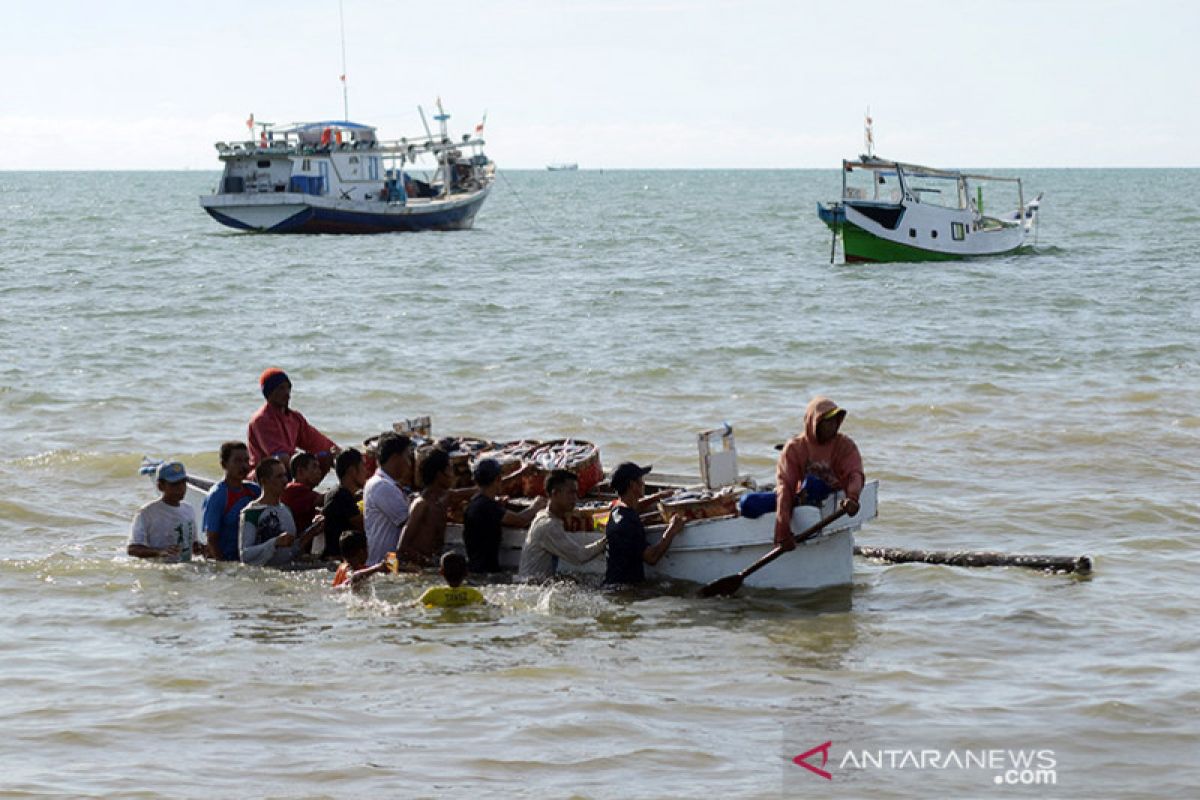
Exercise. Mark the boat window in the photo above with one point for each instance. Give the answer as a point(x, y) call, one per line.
point(264, 164)
point(871, 184)
point(935, 190)
point(353, 159)
point(957, 231)
point(933, 234)
point(912, 233)
point(307, 165)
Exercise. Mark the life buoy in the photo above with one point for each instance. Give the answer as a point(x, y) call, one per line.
point(338, 135)
point(326, 134)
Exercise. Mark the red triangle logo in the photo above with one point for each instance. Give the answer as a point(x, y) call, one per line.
point(823, 749)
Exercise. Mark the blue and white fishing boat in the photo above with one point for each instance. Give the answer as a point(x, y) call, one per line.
point(336, 176)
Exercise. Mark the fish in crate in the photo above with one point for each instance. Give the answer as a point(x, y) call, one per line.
point(573, 455)
point(693, 505)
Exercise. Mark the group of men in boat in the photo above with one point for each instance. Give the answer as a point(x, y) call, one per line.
point(281, 516)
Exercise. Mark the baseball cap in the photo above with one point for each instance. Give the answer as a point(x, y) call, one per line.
point(171, 472)
point(625, 474)
point(486, 471)
point(831, 413)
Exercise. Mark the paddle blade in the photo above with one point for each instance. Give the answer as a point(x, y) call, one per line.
point(722, 587)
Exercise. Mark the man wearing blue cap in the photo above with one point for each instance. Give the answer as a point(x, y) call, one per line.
point(165, 528)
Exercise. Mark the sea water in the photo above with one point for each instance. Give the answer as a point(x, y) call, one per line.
point(1043, 402)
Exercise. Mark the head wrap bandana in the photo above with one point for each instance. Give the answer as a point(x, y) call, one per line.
point(271, 379)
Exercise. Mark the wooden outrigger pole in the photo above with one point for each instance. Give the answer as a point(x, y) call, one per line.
point(1080, 565)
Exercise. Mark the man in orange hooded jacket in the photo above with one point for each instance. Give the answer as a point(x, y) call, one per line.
point(820, 453)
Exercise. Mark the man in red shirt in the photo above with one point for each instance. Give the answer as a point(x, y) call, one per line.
point(278, 431)
point(301, 496)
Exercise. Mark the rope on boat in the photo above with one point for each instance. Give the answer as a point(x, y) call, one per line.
point(524, 207)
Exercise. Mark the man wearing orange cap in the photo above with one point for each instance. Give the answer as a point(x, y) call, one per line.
point(813, 465)
point(278, 431)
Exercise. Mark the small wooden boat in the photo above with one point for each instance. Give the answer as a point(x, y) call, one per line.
point(709, 549)
point(713, 547)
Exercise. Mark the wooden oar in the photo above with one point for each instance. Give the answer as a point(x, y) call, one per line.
point(203, 484)
point(731, 583)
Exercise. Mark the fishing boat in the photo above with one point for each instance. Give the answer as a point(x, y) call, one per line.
point(715, 542)
point(713, 547)
point(337, 176)
point(709, 549)
point(894, 211)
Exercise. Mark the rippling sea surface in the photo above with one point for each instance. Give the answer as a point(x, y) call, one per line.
point(1044, 402)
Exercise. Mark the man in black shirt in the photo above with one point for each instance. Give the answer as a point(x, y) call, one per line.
point(485, 515)
point(627, 548)
point(341, 504)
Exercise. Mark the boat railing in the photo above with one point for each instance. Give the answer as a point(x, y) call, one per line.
point(289, 145)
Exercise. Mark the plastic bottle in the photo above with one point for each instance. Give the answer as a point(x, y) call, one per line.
point(185, 543)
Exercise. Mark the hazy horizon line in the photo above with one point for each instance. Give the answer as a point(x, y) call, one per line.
point(543, 168)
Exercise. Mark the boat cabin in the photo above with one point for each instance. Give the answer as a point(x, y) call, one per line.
point(873, 181)
point(347, 161)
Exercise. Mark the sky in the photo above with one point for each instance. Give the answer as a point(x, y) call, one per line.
point(126, 84)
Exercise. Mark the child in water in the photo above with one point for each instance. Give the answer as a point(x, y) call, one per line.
point(354, 569)
point(454, 570)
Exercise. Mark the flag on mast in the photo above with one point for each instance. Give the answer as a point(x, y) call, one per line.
point(250, 123)
point(482, 122)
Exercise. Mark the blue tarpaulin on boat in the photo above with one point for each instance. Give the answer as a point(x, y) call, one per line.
point(306, 184)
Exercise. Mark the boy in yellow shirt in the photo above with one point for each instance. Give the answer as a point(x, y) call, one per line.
point(454, 569)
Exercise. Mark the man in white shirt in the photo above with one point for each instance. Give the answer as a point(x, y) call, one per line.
point(165, 528)
point(267, 534)
point(548, 539)
point(385, 499)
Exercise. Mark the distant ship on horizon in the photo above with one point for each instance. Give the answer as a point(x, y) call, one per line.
point(562, 166)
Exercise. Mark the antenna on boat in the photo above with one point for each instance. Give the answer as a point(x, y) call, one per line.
point(869, 133)
point(345, 94)
point(441, 117)
point(425, 123)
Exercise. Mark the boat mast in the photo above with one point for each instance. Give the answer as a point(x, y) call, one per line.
point(441, 117)
point(345, 93)
point(869, 134)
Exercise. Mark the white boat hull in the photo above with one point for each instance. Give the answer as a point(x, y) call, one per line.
point(713, 548)
point(709, 549)
point(922, 232)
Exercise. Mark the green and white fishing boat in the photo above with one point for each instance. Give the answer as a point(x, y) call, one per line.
point(893, 211)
